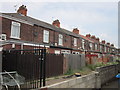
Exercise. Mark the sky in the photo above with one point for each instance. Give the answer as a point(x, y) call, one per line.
point(99, 18)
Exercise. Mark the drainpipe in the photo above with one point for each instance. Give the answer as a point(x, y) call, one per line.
point(0, 64)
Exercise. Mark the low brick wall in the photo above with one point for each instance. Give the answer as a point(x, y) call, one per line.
point(93, 80)
point(107, 73)
point(86, 81)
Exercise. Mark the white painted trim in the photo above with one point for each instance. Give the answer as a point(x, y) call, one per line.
point(16, 19)
point(1, 48)
point(30, 44)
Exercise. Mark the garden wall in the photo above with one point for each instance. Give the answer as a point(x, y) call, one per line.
point(86, 81)
point(92, 80)
point(107, 73)
point(94, 58)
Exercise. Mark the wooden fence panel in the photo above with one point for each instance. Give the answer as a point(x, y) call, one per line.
point(74, 62)
point(54, 65)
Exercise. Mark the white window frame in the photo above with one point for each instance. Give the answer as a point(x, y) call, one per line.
point(108, 49)
point(75, 52)
point(57, 51)
point(96, 46)
point(101, 48)
point(91, 46)
point(83, 43)
point(15, 33)
point(105, 48)
point(60, 40)
point(2, 37)
point(65, 51)
point(75, 41)
point(113, 50)
point(46, 36)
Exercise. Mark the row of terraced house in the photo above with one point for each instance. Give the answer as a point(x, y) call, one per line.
point(20, 31)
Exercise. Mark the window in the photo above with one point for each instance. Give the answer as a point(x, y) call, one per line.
point(75, 41)
point(3, 37)
point(96, 46)
point(83, 44)
point(15, 30)
point(113, 50)
point(90, 46)
point(65, 51)
point(46, 36)
point(108, 49)
point(75, 52)
point(60, 39)
point(57, 51)
point(100, 48)
point(105, 49)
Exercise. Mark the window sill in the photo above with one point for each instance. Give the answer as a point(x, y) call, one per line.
point(60, 45)
point(45, 42)
point(75, 45)
point(14, 37)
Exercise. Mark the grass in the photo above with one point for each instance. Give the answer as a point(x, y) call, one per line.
point(83, 71)
point(89, 68)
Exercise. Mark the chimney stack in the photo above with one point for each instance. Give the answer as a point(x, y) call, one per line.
point(56, 23)
point(108, 43)
point(112, 45)
point(97, 39)
point(88, 35)
point(22, 10)
point(103, 41)
point(76, 31)
point(93, 37)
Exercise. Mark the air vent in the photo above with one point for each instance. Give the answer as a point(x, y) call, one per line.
point(3, 37)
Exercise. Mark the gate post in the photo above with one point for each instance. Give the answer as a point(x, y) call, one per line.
point(0, 65)
point(0, 59)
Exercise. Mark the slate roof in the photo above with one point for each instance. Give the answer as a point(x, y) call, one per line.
point(41, 23)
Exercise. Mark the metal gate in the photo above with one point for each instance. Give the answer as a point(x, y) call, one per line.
point(29, 63)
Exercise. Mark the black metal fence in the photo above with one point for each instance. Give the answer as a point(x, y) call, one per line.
point(28, 63)
point(33, 64)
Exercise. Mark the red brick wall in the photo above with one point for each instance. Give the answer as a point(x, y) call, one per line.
point(6, 27)
point(26, 32)
point(35, 34)
point(8, 46)
point(67, 41)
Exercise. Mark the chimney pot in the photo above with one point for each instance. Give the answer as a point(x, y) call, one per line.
point(108, 43)
point(22, 10)
point(76, 31)
point(88, 35)
point(97, 39)
point(103, 41)
point(93, 37)
point(56, 23)
point(112, 45)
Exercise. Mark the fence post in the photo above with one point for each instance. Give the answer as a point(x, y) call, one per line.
point(0, 64)
point(44, 68)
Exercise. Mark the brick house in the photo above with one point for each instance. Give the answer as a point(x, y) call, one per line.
point(20, 31)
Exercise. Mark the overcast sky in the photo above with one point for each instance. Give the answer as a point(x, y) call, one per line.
point(97, 18)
